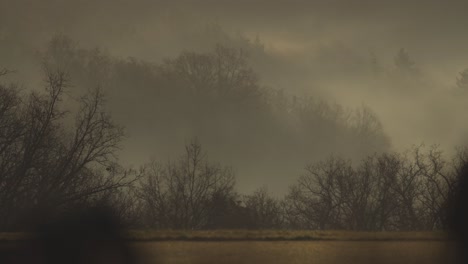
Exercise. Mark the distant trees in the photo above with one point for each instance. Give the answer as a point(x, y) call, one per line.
point(440, 183)
point(193, 193)
point(48, 163)
point(375, 65)
point(462, 80)
point(87, 68)
point(223, 73)
point(52, 163)
point(184, 194)
point(404, 63)
point(53, 156)
point(319, 198)
point(212, 94)
point(264, 211)
point(368, 130)
point(358, 128)
point(406, 191)
point(384, 192)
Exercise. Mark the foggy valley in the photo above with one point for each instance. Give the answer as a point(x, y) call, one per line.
point(283, 131)
point(336, 63)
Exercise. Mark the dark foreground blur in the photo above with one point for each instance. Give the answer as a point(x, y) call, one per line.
point(91, 236)
point(459, 216)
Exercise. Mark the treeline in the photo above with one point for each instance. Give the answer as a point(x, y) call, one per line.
point(389, 191)
point(58, 152)
point(51, 164)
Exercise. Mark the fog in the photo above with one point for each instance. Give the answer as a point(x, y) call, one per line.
point(339, 52)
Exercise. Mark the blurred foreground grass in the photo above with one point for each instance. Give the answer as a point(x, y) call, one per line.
point(278, 235)
point(259, 235)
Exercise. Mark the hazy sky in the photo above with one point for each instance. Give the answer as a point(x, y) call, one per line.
point(318, 48)
point(432, 31)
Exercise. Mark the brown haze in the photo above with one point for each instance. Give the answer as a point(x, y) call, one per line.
point(338, 51)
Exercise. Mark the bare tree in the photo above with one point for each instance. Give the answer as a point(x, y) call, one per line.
point(404, 63)
point(125, 205)
point(440, 181)
point(223, 74)
point(462, 80)
point(43, 163)
point(409, 191)
point(365, 123)
point(265, 212)
point(180, 194)
point(319, 197)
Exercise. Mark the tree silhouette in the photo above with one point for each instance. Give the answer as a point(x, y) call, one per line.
point(404, 63)
point(410, 191)
point(48, 165)
point(265, 212)
point(182, 194)
point(462, 80)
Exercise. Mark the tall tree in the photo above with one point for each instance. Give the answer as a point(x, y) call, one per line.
point(183, 194)
point(47, 164)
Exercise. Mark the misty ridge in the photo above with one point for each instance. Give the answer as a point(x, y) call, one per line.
point(217, 97)
point(230, 133)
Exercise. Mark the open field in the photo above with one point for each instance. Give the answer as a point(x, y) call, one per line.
point(273, 246)
point(287, 252)
point(279, 235)
point(260, 235)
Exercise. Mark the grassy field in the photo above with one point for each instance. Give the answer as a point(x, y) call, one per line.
point(273, 246)
point(287, 252)
point(279, 235)
point(260, 235)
